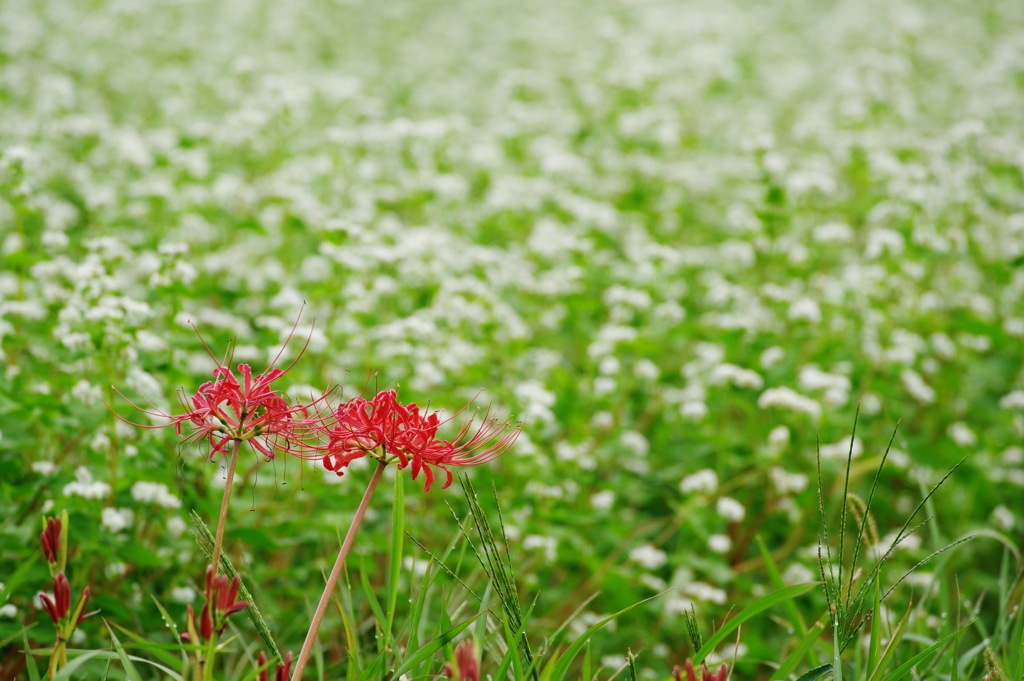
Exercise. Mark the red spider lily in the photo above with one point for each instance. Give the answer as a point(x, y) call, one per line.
point(227, 410)
point(281, 670)
point(384, 427)
point(705, 675)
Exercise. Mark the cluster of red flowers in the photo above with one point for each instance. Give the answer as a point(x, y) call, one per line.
point(225, 410)
point(384, 427)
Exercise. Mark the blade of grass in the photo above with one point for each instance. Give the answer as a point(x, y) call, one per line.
point(371, 597)
point(558, 671)
point(890, 647)
point(776, 579)
point(30, 662)
point(747, 613)
point(905, 668)
point(794, 659)
point(875, 639)
point(816, 673)
point(511, 656)
point(395, 569)
point(427, 650)
point(129, 669)
point(158, 650)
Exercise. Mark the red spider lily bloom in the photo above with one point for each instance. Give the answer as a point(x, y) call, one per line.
point(227, 410)
point(50, 539)
point(384, 427)
point(281, 672)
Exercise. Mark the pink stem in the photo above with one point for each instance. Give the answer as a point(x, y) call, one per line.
point(332, 581)
point(219, 539)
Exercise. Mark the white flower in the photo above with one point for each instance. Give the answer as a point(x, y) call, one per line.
point(647, 370)
point(786, 483)
point(1003, 517)
point(730, 509)
point(778, 438)
point(648, 556)
point(116, 520)
point(797, 573)
point(1013, 400)
point(602, 501)
point(703, 481)
point(536, 541)
point(635, 442)
point(154, 493)
point(85, 486)
point(175, 525)
point(961, 434)
point(738, 376)
point(183, 594)
point(915, 385)
point(787, 398)
point(10, 611)
point(719, 543)
point(704, 592)
point(44, 467)
point(87, 393)
point(537, 400)
point(806, 309)
point(772, 356)
point(841, 449)
point(693, 409)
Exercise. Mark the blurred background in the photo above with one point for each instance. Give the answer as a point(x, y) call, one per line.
point(683, 241)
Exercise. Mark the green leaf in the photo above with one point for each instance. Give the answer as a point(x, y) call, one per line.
point(427, 650)
point(795, 618)
point(791, 662)
point(371, 597)
point(30, 662)
point(395, 569)
point(73, 664)
point(129, 669)
point(905, 668)
point(559, 670)
point(747, 613)
point(158, 649)
point(817, 673)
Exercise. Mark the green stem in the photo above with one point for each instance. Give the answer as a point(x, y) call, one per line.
point(219, 539)
point(332, 581)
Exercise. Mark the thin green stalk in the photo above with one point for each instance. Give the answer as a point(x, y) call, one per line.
point(332, 580)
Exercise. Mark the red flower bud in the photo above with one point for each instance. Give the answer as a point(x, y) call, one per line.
point(261, 661)
point(50, 539)
point(205, 623)
point(62, 594)
point(284, 670)
point(465, 658)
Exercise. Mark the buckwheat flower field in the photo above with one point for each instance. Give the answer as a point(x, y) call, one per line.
point(684, 340)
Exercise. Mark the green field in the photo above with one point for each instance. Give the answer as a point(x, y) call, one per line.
point(682, 242)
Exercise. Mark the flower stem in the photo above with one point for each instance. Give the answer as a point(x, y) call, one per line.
point(219, 539)
point(332, 581)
